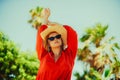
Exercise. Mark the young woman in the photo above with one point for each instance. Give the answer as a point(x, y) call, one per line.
point(56, 47)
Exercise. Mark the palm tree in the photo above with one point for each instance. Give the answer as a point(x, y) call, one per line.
point(98, 53)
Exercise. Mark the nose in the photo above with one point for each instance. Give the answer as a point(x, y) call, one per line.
point(55, 39)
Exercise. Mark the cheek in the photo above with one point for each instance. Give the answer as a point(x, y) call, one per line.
point(60, 42)
point(51, 44)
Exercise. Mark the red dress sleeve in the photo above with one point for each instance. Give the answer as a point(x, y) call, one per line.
point(72, 40)
point(39, 43)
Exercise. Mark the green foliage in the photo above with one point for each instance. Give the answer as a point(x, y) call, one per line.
point(92, 74)
point(85, 37)
point(99, 52)
point(78, 76)
point(14, 64)
point(107, 72)
point(95, 34)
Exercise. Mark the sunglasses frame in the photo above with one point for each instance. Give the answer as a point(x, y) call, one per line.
point(53, 38)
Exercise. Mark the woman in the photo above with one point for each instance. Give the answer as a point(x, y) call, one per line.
point(56, 47)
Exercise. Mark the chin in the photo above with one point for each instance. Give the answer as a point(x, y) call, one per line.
point(55, 46)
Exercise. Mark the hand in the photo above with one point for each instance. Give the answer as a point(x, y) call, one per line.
point(45, 14)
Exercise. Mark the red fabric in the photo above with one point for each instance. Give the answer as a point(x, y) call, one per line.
point(62, 69)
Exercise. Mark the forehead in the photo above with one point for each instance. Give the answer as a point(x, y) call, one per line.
point(52, 34)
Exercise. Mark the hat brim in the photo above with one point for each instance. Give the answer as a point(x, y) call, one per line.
point(57, 28)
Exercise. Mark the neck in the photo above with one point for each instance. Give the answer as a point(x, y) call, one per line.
point(56, 52)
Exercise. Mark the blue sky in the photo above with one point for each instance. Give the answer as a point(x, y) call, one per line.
point(79, 14)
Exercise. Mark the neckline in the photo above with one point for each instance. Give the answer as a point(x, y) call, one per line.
point(52, 57)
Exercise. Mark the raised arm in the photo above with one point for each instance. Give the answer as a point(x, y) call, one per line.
point(72, 40)
point(39, 43)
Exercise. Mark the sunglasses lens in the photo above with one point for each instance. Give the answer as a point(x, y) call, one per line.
point(51, 38)
point(58, 36)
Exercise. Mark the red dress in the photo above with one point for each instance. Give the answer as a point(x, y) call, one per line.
point(62, 68)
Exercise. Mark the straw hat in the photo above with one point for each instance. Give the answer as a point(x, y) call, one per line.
point(55, 28)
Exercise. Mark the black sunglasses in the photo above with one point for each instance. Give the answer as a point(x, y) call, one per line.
point(52, 38)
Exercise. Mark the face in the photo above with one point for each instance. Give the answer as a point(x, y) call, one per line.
point(54, 40)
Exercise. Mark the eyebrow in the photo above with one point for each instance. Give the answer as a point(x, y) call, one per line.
point(52, 36)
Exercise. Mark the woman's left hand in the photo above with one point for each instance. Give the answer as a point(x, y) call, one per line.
point(45, 15)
